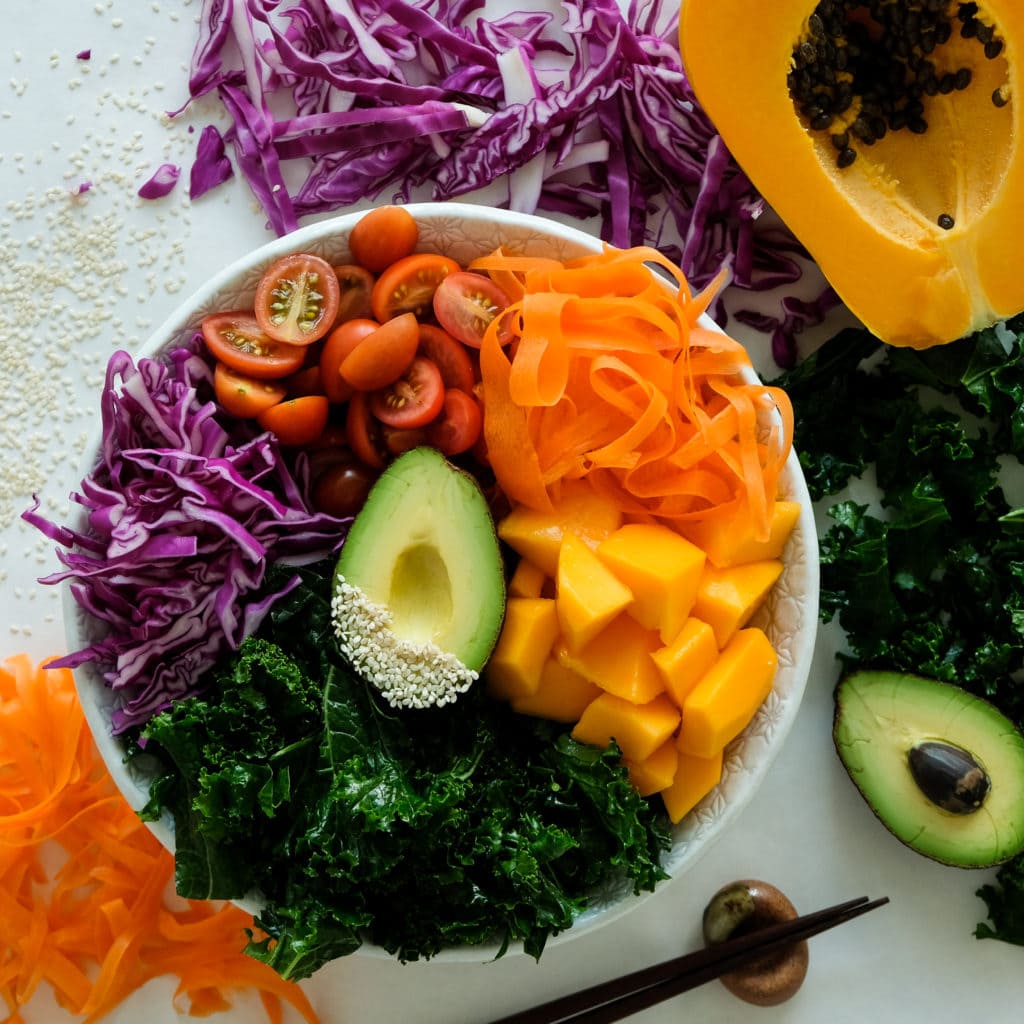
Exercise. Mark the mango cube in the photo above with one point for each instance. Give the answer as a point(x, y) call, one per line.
point(587, 595)
point(732, 541)
point(661, 567)
point(727, 598)
point(527, 580)
point(527, 635)
point(638, 729)
point(537, 536)
point(654, 773)
point(695, 777)
point(618, 660)
point(561, 696)
point(683, 662)
point(719, 707)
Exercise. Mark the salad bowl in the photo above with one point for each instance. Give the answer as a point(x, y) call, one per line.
point(789, 616)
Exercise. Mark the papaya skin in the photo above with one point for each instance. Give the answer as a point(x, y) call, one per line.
point(873, 228)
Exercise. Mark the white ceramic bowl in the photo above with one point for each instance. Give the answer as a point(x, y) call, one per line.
point(789, 617)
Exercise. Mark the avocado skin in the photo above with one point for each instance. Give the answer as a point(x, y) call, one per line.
point(425, 547)
point(880, 716)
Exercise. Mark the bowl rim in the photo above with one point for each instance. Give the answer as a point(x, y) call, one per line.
point(745, 780)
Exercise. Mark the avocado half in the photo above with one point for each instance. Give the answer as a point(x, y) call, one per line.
point(941, 768)
point(419, 587)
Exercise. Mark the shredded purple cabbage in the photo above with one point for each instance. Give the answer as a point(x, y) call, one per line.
point(164, 178)
point(83, 55)
point(211, 166)
point(586, 112)
point(181, 527)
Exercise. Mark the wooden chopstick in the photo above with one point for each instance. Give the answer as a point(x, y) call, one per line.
point(621, 997)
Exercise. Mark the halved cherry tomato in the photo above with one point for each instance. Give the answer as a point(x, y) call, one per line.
point(448, 355)
point(340, 342)
point(383, 355)
point(412, 400)
point(296, 421)
point(237, 340)
point(363, 430)
point(383, 236)
point(305, 382)
point(465, 304)
point(341, 489)
point(354, 284)
point(459, 426)
point(243, 396)
point(297, 299)
point(408, 285)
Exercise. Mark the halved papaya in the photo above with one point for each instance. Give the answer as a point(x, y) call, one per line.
point(887, 135)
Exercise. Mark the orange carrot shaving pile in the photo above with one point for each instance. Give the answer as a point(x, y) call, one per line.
point(84, 903)
point(601, 369)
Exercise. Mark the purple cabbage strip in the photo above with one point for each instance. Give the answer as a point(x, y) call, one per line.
point(797, 314)
point(290, 71)
point(182, 523)
point(211, 166)
point(164, 178)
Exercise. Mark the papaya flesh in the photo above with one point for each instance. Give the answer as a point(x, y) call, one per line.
point(889, 144)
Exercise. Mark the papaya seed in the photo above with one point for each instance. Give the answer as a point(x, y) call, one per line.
point(875, 55)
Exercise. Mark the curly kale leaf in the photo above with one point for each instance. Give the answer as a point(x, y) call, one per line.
point(1005, 902)
point(931, 580)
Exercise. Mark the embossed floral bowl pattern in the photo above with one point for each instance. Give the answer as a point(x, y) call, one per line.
point(789, 616)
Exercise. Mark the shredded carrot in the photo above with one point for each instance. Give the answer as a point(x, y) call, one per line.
point(601, 368)
point(86, 890)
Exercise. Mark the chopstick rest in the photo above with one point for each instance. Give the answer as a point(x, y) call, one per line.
point(621, 997)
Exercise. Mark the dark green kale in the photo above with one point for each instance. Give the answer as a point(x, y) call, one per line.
point(1005, 901)
point(415, 830)
point(931, 580)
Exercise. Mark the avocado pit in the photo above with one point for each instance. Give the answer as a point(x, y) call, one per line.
point(949, 776)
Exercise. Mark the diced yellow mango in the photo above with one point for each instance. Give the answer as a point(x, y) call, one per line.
point(732, 541)
point(527, 580)
point(537, 536)
point(719, 707)
point(654, 773)
point(661, 567)
point(727, 598)
point(618, 660)
point(695, 777)
point(527, 635)
point(638, 729)
point(587, 595)
point(561, 696)
point(683, 662)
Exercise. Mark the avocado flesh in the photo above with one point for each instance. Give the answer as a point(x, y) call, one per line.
point(423, 546)
point(881, 716)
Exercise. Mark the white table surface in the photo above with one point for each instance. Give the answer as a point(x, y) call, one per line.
point(83, 275)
